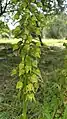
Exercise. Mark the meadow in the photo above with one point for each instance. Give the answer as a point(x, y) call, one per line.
point(51, 97)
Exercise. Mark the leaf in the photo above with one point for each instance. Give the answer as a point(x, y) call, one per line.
point(26, 31)
point(37, 52)
point(15, 47)
point(38, 72)
point(28, 60)
point(21, 66)
point(21, 69)
point(39, 4)
point(21, 72)
point(14, 1)
point(29, 38)
point(14, 72)
point(24, 4)
point(30, 87)
point(28, 64)
point(27, 68)
point(19, 85)
point(30, 97)
point(34, 78)
point(38, 31)
point(32, 0)
point(16, 16)
point(19, 95)
point(34, 63)
point(16, 30)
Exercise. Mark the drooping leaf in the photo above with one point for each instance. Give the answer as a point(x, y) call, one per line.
point(19, 85)
point(14, 72)
point(30, 97)
point(30, 87)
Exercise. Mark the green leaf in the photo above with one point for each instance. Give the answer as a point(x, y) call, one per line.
point(21, 69)
point(28, 64)
point(16, 16)
point(15, 47)
point(37, 54)
point(14, 1)
point(38, 31)
point(26, 30)
point(21, 65)
point(29, 87)
point(17, 32)
point(19, 85)
point(38, 72)
point(34, 63)
point(29, 38)
point(28, 60)
point(21, 72)
point(32, 0)
point(24, 4)
point(14, 72)
point(39, 4)
point(30, 97)
point(28, 68)
point(34, 78)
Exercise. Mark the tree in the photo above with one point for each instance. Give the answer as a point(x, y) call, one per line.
point(3, 6)
point(56, 27)
point(53, 6)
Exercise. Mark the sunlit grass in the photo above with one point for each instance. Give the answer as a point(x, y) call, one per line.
point(11, 41)
point(54, 42)
point(46, 41)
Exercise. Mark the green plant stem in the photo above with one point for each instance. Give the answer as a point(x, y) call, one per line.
point(24, 101)
point(24, 109)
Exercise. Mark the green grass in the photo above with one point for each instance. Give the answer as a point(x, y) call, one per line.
point(8, 61)
point(12, 41)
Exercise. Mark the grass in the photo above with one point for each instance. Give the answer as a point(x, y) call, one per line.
point(46, 41)
point(54, 42)
point(8, 61)
point(11, 41)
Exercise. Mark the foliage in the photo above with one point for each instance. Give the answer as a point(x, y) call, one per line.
point(30, 20)
point(4, 30)
point(3, 6)
point(28, 73)
point(53, 6)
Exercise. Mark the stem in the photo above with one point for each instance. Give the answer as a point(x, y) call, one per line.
point(24, 101)
point(24, 109)
point(24, 96)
